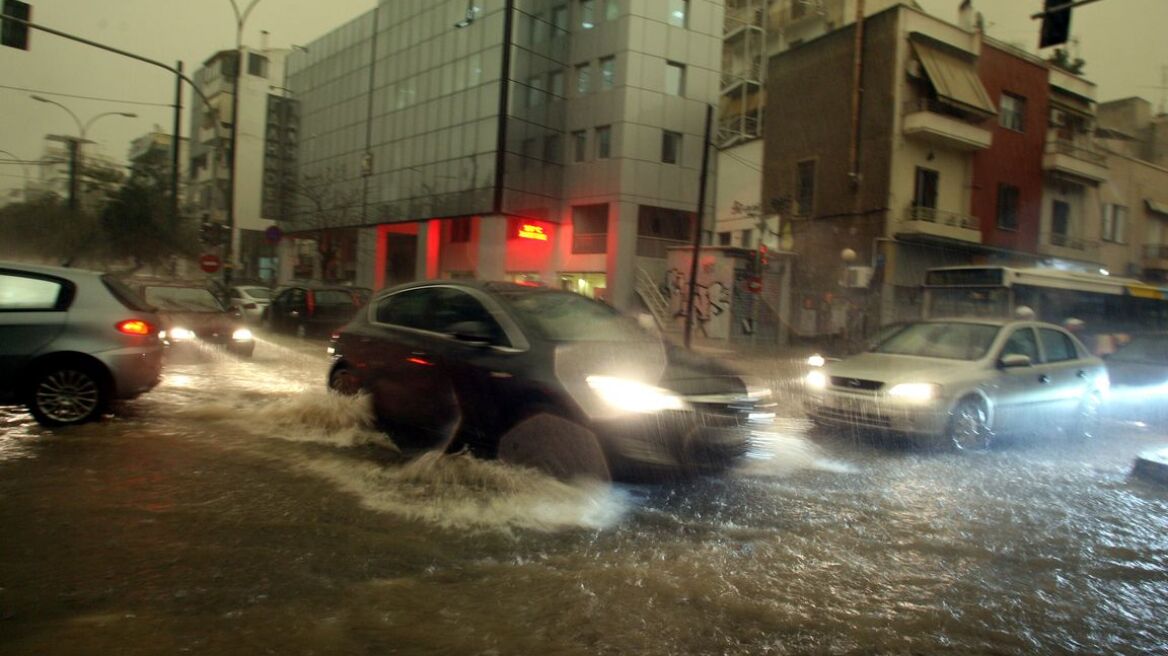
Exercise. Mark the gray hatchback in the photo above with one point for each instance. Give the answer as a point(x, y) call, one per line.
point(72, 341)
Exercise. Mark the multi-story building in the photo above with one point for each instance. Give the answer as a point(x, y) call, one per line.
point(153, 151)
point(262, 75)
point(98, 175)
point(550, 140)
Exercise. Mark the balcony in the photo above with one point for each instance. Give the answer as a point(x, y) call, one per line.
point(932, 222)
point(934, 122)
point(1075, 159)
point(1058, 244)
point(1156, 256)
point(750, 74)
point(738, 20)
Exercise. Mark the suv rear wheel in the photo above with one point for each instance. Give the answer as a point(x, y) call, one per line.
point(66, 394)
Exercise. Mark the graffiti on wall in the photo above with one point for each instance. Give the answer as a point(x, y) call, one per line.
point(711, 297)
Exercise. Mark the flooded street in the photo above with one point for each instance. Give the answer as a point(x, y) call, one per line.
point(240, 509)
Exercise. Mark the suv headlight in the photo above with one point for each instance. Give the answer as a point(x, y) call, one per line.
point(241, 335)
point(816, 380)
point(918, 392)
point(633, 396)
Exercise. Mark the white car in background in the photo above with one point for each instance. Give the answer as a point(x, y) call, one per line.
point(963, 381)
point(250, 300)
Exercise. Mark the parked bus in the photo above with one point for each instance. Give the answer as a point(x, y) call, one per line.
point(1109, 307)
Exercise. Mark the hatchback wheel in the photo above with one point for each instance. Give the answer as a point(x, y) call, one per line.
point(344, 382)
point(968, 430)
point(67, 395)
point(556, 446)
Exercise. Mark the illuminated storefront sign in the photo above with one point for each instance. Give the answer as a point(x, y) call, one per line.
point(530, 231)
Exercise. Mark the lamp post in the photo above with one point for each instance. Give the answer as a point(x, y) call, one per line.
point(74, 143)
point(240, 19)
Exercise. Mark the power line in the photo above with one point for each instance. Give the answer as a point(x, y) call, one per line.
point(70, 95)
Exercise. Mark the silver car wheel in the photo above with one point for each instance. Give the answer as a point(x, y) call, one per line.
point(67, 396)
point(967, 427)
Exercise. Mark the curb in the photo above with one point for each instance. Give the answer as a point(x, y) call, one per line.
point(1152, 466)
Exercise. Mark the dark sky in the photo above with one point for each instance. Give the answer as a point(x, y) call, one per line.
point(1121, 40)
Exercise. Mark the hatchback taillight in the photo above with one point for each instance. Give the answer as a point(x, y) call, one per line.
point(134, 327)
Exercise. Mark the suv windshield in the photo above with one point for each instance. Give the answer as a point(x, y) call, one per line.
point(948, 340)
point(568, 317)
point(182, 299)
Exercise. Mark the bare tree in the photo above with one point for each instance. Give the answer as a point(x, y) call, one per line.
point(329, 205)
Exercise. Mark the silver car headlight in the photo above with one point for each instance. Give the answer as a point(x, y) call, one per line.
point(816, 360)
point(915, 392)
point(816, 380)
point(178, 334)
point(242, 335)
point(633, 396)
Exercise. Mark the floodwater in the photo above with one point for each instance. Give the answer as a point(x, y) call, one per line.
point(241, 509)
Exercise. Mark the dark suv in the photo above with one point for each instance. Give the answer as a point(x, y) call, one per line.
point(544, 378)
point(72, 341)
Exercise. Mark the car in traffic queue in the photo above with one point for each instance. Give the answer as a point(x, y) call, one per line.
point(1138, 371)
point(72, 342)
point(309, 310)
point(191, 315)
point(544, 378)
point(249, 300)
point(961, 382)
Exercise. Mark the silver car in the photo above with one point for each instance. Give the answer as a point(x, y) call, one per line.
point(963, 381)
point(72, 341)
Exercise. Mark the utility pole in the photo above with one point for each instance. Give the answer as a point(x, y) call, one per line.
point(175, 143)
point(697, 240)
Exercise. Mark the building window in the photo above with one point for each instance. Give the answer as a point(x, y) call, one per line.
point(1012, 112)
point(748, 238)
point(589, 229)
point(534, 91)
point(1114, 223)
point(460, 230)
point(603, 142)
point(583, 78)
point(560, 20)
point(1007, 207)
point(670, 147)
point(659, 228)
point(539, 28)
point(611, 10)
point(528, 150)
point(678, 12)
point(925, 190)
point(1060, 222)
point(257, 65)
point(805, 187)
point(607, 72)
point(579, 145)
point(556, 84)
point(674, 78)
point(551, 148)
point(724, 238)
point(587, 14)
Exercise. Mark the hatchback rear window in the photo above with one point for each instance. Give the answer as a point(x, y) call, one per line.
point(125, 295)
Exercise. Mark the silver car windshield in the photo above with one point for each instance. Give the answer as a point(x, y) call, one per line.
point(947, 340)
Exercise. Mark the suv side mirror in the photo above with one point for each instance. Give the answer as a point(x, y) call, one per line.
point(1014, 360)
point(477, 333)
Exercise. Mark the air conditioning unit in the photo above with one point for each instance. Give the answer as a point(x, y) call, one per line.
point(858, 276)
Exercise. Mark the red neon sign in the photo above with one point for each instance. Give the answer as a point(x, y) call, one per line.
point(531, 231)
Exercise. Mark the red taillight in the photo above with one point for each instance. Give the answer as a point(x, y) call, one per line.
point(134, 327)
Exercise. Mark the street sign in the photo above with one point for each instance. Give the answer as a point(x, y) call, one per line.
point(273, 235)
point(209, 262)
point(754, 285)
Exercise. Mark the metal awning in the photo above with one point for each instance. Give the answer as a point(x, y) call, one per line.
point(1156, 206)
point(954, 77)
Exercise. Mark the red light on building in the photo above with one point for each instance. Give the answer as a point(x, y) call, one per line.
point(531, 231)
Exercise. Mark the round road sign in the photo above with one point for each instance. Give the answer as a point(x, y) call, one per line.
point(209, 262)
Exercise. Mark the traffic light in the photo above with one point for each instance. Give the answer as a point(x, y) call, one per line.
point(762, 255)
point(1056, 25)
point(12, 33)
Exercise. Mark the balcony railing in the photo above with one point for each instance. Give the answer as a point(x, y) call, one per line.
point(942, 217)
point(1069, 242)
point(1077, 150)
point(751, 73)
point(590, 243)
point(1156, 251)
point(934, 106)
point(656, 246)
point(740, 17)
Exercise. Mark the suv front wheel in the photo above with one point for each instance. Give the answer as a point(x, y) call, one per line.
point(67, 394)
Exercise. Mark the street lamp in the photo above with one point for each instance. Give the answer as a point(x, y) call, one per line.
point(240, 19)
point(74, 143)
